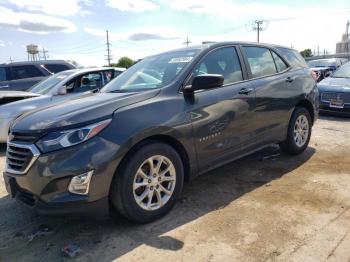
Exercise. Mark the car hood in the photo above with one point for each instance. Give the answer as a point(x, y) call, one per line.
point(12, 94)
point(330, 84)
point(14, 109)
point(77, 112)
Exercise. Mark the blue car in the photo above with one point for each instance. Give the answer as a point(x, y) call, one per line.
point(335, 92)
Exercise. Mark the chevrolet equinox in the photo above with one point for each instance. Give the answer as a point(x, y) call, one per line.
point(165, 120)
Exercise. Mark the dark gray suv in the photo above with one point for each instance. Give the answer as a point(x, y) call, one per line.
point(167, 119)
point(20, 76)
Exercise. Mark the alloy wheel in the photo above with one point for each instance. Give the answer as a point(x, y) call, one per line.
point(301, 130)
point(154, 182)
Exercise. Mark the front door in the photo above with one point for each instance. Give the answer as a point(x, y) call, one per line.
point(221, 116)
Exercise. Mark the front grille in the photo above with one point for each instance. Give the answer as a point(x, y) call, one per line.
point(20, 157)
point(327, 97)
point(24, 137)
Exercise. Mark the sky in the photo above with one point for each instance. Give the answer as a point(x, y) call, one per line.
point(76, 29)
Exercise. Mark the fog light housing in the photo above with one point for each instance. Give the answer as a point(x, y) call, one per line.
point(80, 184)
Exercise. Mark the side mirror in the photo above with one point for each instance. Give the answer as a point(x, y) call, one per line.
point(62, 90)
point(204, 82)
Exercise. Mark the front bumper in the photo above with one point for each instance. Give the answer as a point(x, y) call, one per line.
point(45, 186)
point(326, 109)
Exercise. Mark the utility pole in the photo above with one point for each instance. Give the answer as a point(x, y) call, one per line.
point(258, 27)
point(187, 42)
point(44, 53)
point(10, 59)
point(108, 44)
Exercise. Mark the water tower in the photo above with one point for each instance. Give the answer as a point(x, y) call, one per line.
point(33, 52)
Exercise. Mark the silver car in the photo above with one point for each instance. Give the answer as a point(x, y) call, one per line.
point(55, 89)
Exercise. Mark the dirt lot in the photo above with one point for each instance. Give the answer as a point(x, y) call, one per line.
point(264, 207)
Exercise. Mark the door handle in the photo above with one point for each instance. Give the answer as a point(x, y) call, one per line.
point(289, 79)
point(5, 86)
point(245, 91)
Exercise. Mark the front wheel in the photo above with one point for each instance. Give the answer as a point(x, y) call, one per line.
point(299, 132)
point(149, 183)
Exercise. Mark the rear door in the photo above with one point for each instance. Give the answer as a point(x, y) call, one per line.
point(25, 76)
point(221, 117)
point(268, 72)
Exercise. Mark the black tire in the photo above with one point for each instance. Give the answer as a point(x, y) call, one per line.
point(290, 146)
point(122, 193)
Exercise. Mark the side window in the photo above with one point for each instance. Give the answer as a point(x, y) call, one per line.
point(20, 72)
point(260, 61)
point(280, 64)
point(88, 82)
point(224, 62)
point(55, 68)
point(108, 75)
point(2, 74)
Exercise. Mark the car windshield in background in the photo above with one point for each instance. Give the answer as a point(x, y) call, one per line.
point(321, 63)
point(46, 85)
point(152, 72)
point(342, 72)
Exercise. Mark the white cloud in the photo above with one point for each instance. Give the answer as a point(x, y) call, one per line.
point(34, 23)
point(133, 5)
point(229, 9)
point(52, 7)
point(2, 43)
point(139, 34)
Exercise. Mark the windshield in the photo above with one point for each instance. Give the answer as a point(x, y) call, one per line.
point(319, 63)
point(46, 85)
point(342, 72)
point(152, 72)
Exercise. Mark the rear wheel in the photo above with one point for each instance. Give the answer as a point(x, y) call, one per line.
point(148, 184)
point(299, 132)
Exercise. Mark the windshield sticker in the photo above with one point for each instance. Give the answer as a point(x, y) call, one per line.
point(185, 59)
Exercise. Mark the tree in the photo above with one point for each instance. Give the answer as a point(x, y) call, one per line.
point(125, 62)
point(306, 53)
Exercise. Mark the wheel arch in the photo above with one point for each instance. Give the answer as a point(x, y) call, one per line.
point(309, 107)
point(166, 139)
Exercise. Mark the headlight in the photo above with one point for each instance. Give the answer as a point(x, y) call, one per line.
point(66, 138)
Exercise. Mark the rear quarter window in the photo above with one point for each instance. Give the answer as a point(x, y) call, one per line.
point(293, 57)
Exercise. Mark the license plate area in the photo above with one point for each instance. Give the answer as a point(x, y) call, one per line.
point(336, 103)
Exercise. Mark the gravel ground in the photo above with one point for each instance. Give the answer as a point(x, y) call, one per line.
point(265, 207)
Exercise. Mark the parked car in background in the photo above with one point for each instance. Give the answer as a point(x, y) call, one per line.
point(324, 67)
point(167, 118)
point(335, 92)
point(55, 89)
point(23, 75)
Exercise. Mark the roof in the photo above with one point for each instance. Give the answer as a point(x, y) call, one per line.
point(36, 62)
point(209, 44)
point(91, 69)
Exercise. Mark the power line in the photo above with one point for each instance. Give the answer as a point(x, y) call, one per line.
point(187, 42)
point(44, 53)
point(257, 26)
point(108, 49)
